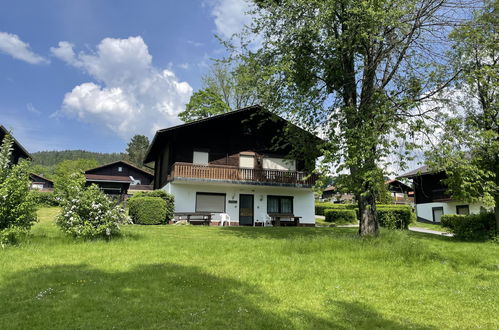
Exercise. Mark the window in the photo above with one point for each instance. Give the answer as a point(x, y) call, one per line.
point(210, 202)
point(279, 204)
point(247, 161)
point(279, 164)
point(200, 157)
point(120, 169)
point(463, 209)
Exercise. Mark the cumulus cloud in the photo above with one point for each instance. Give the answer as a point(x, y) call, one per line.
point(12, 45)
point(230, 16)
point(129, 96)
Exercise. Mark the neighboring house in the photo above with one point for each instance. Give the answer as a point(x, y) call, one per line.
point(119, 177)
point(18, 151)
point(39, 182)
point(400, 192)
point(431, 198)
point(228, 164)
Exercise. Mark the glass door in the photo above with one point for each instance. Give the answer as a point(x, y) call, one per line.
point(246, 203)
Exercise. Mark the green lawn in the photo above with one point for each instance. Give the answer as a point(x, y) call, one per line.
point(432, 226)
point(216, 278)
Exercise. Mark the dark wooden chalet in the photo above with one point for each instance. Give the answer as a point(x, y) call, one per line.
point(18, 150)
point(235, 147)
point(116, 178)
point(39, 182)
point(428, 185)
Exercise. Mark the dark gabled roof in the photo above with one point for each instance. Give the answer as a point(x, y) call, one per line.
point(107, 178)
point(249, 110)
point(122, 162)
point(33, 175)
point(417, 172)
point(3, 132)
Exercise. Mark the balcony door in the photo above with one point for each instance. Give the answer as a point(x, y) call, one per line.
point(246, 210)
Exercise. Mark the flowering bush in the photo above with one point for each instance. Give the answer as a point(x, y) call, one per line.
point(17, 209)
point(87, 212)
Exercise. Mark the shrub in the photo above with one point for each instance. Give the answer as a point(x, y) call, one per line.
point(395, 216)
point(169, 199)
point(88, 212)
point(17, 209)
point(471, 227)
point(321, 206)
point(44, 198)
point(147, 210)
point(340, 215)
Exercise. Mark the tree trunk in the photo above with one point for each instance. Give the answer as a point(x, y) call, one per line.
point(368, 222)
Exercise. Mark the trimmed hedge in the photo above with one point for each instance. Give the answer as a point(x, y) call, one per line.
point(320, 207)
point(395, 216)
point(340, 215)
point(147, 210)
point(471, 227)
point(44, 198)
point(168, 198)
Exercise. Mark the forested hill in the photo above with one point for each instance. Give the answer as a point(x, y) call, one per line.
point(52, 158)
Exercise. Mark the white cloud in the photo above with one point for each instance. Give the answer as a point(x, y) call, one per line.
point(130, 96)
point(230, 16)
point(31, 108)
point(11, 44)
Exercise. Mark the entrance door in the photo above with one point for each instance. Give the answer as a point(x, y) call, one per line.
point(246, 210)
point(437, 214)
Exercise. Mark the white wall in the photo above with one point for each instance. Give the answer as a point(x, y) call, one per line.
point(425, 210)
point(185, 198)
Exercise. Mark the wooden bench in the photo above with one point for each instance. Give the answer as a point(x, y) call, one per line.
point(279, 219)
point(195, 218)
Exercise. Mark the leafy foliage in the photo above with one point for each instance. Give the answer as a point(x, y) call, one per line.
point(17, 209)
point(358, 68)
point(66, 169)
point(340, 216)
point(168, 198)
point(147, 210)
point(137, 149)
point(471, 227)
point(225, 88)
point(320, 207)
point(44, 198)
point(88, 212)
point(395, 217)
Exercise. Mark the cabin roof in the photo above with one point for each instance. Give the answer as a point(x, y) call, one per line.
point(3, 132)
point(33, 175)
point(122, 162)
point(425, 169)
point(170, 130)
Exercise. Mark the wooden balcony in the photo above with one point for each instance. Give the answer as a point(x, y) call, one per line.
point(249, 175)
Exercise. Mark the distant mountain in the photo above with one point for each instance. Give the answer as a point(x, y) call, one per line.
point(52, 158)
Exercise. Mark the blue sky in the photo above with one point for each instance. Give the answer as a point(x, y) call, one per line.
point(91, 74)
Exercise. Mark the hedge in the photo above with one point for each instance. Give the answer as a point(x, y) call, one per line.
point(340, 215)
point(147, 210)
point(44, 198)
point(471, 227)
point(321, 206)
point(395, 216)
point(168, 198)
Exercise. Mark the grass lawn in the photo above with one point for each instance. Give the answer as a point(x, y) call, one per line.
point(206, 277)
point(432, 226)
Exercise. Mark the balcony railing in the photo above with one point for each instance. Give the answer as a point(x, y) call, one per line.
point(231, 173)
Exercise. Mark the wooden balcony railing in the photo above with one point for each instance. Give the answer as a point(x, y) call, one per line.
point(220, 172)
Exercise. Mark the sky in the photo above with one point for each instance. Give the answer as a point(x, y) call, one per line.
point(91, 74)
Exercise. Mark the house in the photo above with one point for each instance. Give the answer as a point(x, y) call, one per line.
point(117, 178)
point(18, 151)
point(39, 182)
point(400, 193)
point(431, 197)
point(230, 164)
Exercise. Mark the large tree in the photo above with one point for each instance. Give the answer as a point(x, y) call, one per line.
point(360, 69)
point(469, 149)
point(226, 87)
point(136, 149)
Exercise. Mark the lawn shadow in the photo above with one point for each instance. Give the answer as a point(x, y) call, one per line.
point(288, 232)
point(147, 296)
